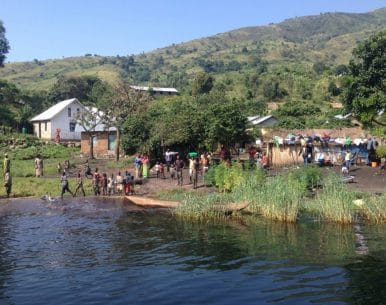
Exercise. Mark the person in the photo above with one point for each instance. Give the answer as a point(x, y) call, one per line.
point(172, 171)
point(306, 153)
point(347, 159)
point(168, 159)
point(87, 169)
point(145, 166)
point(104, 184)
point(204, 160)
point(38, 166)
point(79, 184)
point(96, 182)
point(196, 169)
point(157, 169)
point(59, 168)
point(64, 185)
point(8, 183)
point(264, 161)
point(6, 164)
point(110, 185)
point(119, 183)
point(162, 170)
point(138, 165)
point(252, 155)
point(180, 164)
point(191, 169)
point(66, 165)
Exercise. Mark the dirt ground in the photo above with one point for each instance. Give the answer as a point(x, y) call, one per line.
point(366, 179)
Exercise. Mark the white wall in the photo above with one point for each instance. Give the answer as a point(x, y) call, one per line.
point(62, 121)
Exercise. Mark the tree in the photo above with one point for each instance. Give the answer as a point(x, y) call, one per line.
point(120, 102)
point(89, 119)
point(72, 87)
point(4, 46)
point(202, 83)
point(364, 92)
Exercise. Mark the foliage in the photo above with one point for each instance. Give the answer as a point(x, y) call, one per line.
point(381, 151)
point(202, 83)
point(4, 46)
point(308, 176)
point(364, 86)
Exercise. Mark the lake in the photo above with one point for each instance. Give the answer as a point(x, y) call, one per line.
point(89, 251)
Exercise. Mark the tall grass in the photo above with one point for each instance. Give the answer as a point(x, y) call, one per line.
point(277, 199)
point(335, 202)
point(373, 209)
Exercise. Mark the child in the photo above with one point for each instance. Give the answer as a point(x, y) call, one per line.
point(104, 184)
point(119, 183)
point(79, 185)
point(172, 171)
point(162, 170)
point(157, 169)
point(110, 185)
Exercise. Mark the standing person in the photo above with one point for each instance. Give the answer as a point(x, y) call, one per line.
point(119, 182)
point(38, 166)
point(157, 169)
point(180, 164)
point(191, 169)
point(110, 185)
point(168, 159)
point(162, 170)
point(264, 161)
point(8, 183)
point(145, 166)
point(138, 165)
point(96, 183)
point(196, 169)
point(204, 164)
point(172, 171)
point(79, 184)
point(347, 159)
point(64, 185)
point(59, 168)
point(6, 164)
point(104, 184)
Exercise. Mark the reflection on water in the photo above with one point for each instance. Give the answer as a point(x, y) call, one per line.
point(89, 251)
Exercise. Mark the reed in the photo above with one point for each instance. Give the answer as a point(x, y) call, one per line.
point(372, 208)
point(334, 203)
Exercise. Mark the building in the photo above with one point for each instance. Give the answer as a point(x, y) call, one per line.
point(157, 90)
point(103, 137)
point(62, 116)
point(262, 121)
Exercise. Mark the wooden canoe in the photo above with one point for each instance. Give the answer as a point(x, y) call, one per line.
point(159, 203)
point(152, 202)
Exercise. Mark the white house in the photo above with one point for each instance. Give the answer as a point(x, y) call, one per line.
point(62, 115)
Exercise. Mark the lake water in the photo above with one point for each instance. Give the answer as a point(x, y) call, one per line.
point(87, 251)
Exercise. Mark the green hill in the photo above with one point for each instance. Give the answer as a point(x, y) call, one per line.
point(300, 54)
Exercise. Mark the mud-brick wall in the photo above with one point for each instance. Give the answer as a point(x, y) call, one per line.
point(101, 144)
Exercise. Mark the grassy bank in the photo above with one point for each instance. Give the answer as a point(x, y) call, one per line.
point(286, 197)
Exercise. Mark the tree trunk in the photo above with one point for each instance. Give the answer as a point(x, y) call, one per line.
point(117, 143)
point(91, 153)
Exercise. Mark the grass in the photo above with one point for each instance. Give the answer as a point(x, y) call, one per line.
point(36, 187)
point(334, 203)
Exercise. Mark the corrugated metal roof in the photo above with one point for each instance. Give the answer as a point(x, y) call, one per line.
point(54, 110)
point(159, 89)
point(256, 120)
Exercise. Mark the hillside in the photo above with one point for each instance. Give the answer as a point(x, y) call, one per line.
point(244, 59)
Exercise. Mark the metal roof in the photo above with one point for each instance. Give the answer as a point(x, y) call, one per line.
point(54, 110)
point(256, 120)
point(156, 89)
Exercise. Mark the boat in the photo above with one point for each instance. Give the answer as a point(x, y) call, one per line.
point(159, 203)
point(152, 202)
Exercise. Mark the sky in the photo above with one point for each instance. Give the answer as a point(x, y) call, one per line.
point(52, 29)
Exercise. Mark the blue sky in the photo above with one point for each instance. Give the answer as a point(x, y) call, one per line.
point(48, 29)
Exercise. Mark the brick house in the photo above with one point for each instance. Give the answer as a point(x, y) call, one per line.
point(104, 142)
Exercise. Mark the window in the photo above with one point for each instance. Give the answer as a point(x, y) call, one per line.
point(45, 126)
point(111, 142)
point(69, 112)
point(72, 126)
